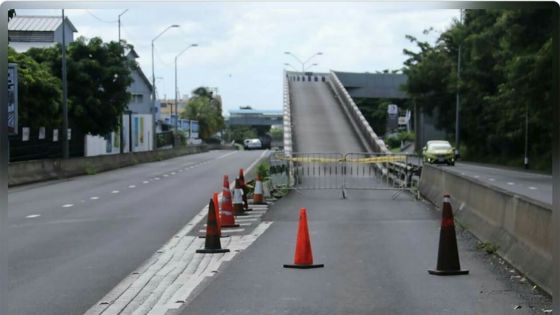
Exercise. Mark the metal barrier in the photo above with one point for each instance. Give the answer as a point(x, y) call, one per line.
point(351, 171)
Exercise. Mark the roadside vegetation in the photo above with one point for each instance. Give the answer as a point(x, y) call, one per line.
point(506, 75)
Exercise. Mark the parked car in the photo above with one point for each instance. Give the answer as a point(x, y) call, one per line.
point(249, 144)
point(438, 151)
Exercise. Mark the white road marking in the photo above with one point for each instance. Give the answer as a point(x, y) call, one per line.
point(533, 188)
point(93, 198)
point(172, 173)
point(165, 175)
point(228, 230)
point(68, 205)
point(511, 183)
point(115, 192)
point(145, 182)
point(167, 279)
point(157, 178)
point(31, 216)
point(476, 176)
point(132, 186)
point(491, 179)
point(180, 171)
point(241, 219)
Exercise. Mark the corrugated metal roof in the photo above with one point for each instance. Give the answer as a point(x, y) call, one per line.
point(37, 23)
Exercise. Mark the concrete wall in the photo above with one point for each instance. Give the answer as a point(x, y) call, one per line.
point(520, 226)
point(20, 173)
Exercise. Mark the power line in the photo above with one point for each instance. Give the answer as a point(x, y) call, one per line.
point(100, 19)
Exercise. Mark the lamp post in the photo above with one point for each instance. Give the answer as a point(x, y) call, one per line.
point(123, 12)
point(303, 63)
point(304, 69)
point(176, 102)
point(154, 87)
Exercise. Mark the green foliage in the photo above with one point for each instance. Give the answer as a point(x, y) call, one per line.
point(90, 169)
point(39, 92)
point(394, 141)
point(506, 71)
point(207, 110)
point(239, 133)
point(263, 170)
point(488, 247)
point(11, 14)
point(277, 134)
point(98, 76)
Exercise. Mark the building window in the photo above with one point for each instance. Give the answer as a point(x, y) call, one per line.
point(137, 98)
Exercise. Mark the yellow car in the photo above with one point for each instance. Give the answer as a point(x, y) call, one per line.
point(438, 151)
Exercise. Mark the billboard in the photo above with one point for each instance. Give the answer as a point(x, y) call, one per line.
point(12, 99)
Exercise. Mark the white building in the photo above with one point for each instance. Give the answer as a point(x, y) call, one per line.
point(26, 32)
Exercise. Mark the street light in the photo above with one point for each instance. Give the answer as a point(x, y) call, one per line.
point(303, 63)
point(154, 86)
point(289, 65)
point(176, 104)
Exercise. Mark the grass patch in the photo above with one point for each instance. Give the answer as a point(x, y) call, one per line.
point(488, 247)
point(90, 169)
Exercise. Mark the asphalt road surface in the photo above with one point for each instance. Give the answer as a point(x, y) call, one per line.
point(376, 248)
point(533, 185)
point(72, 241)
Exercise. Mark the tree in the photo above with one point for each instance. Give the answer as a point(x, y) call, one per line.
point(39, 92)
point(98, 77)
point(506, 72)
point(206, 108)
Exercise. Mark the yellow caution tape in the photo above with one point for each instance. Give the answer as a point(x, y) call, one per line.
point(369, 160)
point(378, 159)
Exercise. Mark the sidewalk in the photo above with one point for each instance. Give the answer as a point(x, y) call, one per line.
point(376, 252)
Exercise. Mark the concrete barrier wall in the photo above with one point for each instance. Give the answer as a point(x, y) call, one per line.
point(520, 226)
point(27, 172)
point(357, 118)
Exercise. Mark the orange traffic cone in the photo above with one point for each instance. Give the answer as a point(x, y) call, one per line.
point(245, 190)
point(303, 258)
point(258, 197)
point(218, 220)
point(212, 244)
point(227, 218)
point(238, 199)
point(448, 254)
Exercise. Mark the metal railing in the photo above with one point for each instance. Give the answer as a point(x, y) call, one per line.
point(350, 171)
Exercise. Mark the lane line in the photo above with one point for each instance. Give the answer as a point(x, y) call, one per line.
point(68, 205)
point(532, 188)
point(491, 179)
point(93, 198)
point(145, 182)
point(511, 183)
point(115, 192)
point(174, 271)
point(132, 186)
point(31, 216)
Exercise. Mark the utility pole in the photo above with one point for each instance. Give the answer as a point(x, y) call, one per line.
point(526, 158)
point(65, 149)
point(121, 119)
point(457, 100)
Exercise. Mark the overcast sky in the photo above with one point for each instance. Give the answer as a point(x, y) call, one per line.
point(242, 44)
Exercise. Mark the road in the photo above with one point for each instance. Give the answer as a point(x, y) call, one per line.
point(376, 249)
point(72, 241)
point(533, 185)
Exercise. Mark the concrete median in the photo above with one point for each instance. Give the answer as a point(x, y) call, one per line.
point(520, 226)
point(20, 173)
